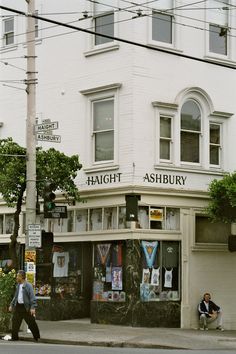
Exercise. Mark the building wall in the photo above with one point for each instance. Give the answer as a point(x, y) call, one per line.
point(145, 82)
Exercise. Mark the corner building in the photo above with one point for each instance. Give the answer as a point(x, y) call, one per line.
point(153, 125)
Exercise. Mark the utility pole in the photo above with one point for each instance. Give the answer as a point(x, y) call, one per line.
point(30, 123)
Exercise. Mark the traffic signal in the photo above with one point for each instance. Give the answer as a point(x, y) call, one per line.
point(132, 207)
point(49, 198)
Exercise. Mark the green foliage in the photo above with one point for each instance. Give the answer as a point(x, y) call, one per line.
point(222, 205)
point(52, 165)
point(7, 287)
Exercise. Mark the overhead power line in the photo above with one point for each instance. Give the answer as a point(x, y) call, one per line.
point(137, 44)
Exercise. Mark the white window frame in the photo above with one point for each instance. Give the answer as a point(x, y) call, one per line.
point(95, 94)
point(219, 146)
point(199, 133)
point(94, 133)
point(171, 15)
point(5, 34)
point(210, 20)
point(169, 139)
point(95, 17)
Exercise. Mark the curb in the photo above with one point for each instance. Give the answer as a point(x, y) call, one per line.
point(111, 344)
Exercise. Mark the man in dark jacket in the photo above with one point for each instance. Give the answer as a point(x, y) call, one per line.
point(23, 306)
point(209, 312)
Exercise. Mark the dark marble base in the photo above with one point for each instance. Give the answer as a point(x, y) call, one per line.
point(62, 309)
point(142, 314)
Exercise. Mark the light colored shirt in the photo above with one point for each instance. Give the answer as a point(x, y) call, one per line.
point(207, 305)
point(20, 294)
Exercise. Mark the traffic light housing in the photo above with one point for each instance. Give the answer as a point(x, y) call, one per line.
point(49, 198)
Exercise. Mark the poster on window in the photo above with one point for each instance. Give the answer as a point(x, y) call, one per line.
point(156, 214)
point(146, 276)
point(116, 277)
point(150, 250)
point(155, 276)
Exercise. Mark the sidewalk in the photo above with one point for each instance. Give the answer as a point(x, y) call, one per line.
point(82, 332)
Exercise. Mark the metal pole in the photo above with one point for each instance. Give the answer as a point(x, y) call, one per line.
point(30, 123)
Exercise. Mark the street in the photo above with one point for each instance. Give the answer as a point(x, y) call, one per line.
point(41, 348)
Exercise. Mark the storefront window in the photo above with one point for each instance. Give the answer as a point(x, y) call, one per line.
point(164, 218)
point(122, 218)
point(9, 223)
point(81, 220)
point(95, 219)
point(1, 224)
point(211, 232)
point(110, 218)
point(108, 284)
point(161, 272)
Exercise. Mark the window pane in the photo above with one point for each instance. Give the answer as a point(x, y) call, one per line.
point(214, 133)
point(95, 222)
point(143, 217)
point(214, 155)
point(103, 112)
point(218, 39)
point(172, 219)
point(165, 149)
point(211, 232)
point(9, 223)
point(9, 25)
point(122, 218)
point(104, 146)
point(189, 147)
point(81, 220)
point(165, 127)
point(190, 116)
point(110, 218)
point(104, 25)
point(161, 27)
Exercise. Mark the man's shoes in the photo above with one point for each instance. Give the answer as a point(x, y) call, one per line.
point(201, 328)
point(220, 328)
point(206, 328)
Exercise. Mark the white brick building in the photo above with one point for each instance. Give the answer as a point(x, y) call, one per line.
point(158, 123)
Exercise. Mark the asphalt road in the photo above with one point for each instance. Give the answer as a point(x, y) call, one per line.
point(42, 348)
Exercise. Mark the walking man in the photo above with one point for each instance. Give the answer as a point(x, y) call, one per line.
point(23, 307)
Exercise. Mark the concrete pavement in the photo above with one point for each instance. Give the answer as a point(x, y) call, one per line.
point(82, 332)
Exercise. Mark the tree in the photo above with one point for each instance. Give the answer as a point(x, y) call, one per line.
point(222, 205)
point(52, 165)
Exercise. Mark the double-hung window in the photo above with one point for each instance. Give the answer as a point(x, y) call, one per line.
point(165, 138)
point(162, 21)
point(215, 143)
point(8, 31)
point(162, 27)
point(218, 28)
point(103, 22)
point(190, 132)
point(103, 129)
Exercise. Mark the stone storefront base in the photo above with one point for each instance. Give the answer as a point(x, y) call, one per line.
point(142, 314)
point(62, 309)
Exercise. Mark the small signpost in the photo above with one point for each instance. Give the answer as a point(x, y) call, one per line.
point(44, 131)
point(34, 235)
point(59, 212)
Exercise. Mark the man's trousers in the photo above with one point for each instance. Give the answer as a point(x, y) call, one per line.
point(19, 314)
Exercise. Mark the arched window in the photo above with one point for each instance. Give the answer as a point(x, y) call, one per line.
point(190, 132)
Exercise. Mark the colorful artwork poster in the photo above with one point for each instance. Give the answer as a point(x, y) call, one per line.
point(116, 278)
point(146, 276)
point(31, 279)
point(156, 214)
point(97, 290)
point(30, 256)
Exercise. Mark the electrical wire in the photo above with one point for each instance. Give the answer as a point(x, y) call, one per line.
point(118, 39)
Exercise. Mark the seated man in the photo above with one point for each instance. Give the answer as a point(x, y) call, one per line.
point(209, 312)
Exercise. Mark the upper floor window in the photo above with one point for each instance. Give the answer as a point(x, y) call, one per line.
point(218, 28)
point(103, 21)
point(215, 143)
point(8, 31)
point(218, 39)
point(190, 132)
point(165, 138)
point(161, 27)
point(103, 129)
